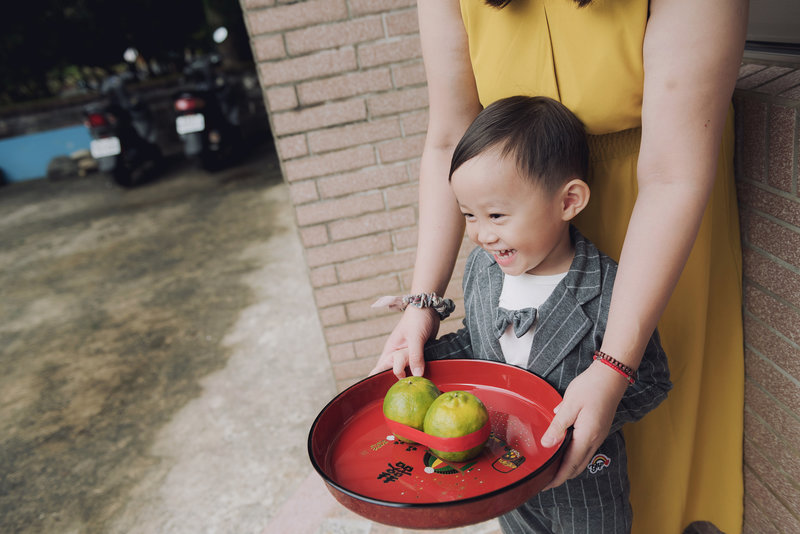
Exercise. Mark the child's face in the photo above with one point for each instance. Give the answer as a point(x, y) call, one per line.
point(512, 218)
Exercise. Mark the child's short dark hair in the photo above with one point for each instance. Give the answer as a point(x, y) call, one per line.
point(545, 138)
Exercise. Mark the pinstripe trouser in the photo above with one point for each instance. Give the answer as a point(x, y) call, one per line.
point(613, 517)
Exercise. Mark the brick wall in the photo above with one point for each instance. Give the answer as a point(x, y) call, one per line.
point(345, 89)
point(767, 101)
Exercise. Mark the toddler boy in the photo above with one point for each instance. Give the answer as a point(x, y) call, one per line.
point(537, 292)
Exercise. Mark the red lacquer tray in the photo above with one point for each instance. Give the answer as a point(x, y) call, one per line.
point(395, 483)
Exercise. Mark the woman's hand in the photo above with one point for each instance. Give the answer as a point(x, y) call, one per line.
point(589, 405)
point(404, 346)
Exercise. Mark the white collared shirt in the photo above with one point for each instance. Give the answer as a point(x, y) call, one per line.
point(524, 291)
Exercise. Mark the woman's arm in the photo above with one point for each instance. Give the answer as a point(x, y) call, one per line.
point(692, 52)
point(453, 104)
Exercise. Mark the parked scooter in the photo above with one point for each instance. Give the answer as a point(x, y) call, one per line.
point(208, 111)
point(123, 131)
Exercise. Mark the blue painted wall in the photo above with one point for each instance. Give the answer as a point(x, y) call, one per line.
point(26, 157)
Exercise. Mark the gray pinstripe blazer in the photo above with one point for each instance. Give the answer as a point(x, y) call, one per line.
point(569, 328)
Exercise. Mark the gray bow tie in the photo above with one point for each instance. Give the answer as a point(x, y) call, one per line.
point(521, 319)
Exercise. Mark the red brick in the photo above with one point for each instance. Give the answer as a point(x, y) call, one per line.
point(413, 169)
point(390, 51)
point(777, 206)
point(779, 452)
point(751, 135)
point(781, 147)
point(758, 503)
point(352, 369)
point(454, 290)
point(362, 7)
point(371, 348)
point(292, 147)
point(361, 330)
point(318, 117)
point(746, 215)
point(306, 67)
point(402, 22)
point(406, 238)
point(771, 276)
point(781, 514)
point(332, 210)
point(371, 224)
point(761, 77)
point(362, 289)
point(267, 47)
point(373, 178)
point(333, 162)
point(345, 383)
point(375, 265)
point(756, 521)
point(781, 84)
point(326, 36)
point(323, 276)
point(362, 309)
point(406, 277)
point(402, 196)
point(343, 352)
point(355, 248)
point(409, 74)
point(281, 98)
point(415, 123)
point(344, 86)
point(453, 323)
point(775, 348)
point(466, 248)
point(314, 236)
point(353, 134)
point(792, 94)
point(774, 238)
point(401, 149)
point(398, 102)
point(296, 15)
point(303, 192)
point(333, 316)
point(750, 68)
point(251, 4)
point(767, 408)
point(773, 380)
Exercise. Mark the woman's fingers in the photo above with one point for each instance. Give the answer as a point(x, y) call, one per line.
point(589, 405)
point(399, 360)
point(564, 418)
point(573, 464)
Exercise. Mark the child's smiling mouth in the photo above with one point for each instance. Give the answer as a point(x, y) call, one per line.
point(504, 257)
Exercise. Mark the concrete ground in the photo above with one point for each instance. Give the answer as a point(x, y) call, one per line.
point(161, 359)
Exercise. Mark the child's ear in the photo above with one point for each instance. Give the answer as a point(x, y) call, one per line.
point(574, 197)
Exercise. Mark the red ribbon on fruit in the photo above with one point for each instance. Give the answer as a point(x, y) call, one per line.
point(461, 443)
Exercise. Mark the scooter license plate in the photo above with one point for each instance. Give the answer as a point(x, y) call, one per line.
point(102, 148)
point(186, 124)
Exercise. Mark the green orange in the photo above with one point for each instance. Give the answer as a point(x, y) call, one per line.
point(454, 414)
point(408, 400)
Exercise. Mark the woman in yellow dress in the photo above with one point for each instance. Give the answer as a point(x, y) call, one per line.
point(652, 82)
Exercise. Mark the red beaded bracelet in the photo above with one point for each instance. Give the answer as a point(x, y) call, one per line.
point(618, 366)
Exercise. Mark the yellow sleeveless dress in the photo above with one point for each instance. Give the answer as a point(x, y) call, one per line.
point(685, 458)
